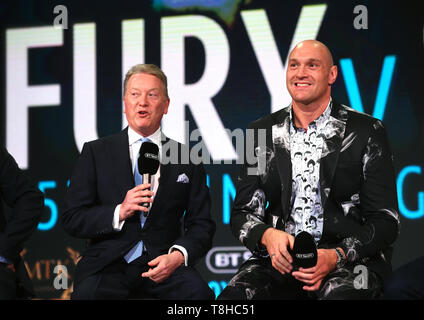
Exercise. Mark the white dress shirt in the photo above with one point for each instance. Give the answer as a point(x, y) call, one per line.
point(134, 148)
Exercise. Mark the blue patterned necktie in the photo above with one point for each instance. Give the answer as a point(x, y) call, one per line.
point(137, 250)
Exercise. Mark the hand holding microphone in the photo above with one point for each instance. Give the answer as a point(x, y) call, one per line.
point(139, 198)
point(133, 199)
point(312, 265)
point(290, 253)
point(304, 251)
point(148, 165)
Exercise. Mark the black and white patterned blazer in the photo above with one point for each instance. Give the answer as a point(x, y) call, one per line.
point(357, 184)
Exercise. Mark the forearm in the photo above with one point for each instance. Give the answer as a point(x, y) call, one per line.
point(89, 223)
point(248, 215)
point(199, 228)
point(249, 232)
point(197, 239)
point(23, 221)
point(373, 237)
point(377, 196)
point(26, 202)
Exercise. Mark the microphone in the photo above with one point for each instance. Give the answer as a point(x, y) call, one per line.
point(304, 251)
point(148, 164)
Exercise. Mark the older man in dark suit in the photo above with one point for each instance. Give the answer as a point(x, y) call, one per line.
point(26, 203)
point(350, 194)
point(132, 249)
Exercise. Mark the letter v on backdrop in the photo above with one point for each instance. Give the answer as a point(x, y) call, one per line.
point(383, 86)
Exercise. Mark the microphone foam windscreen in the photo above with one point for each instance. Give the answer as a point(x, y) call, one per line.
point(304, 251)
point(148, 161)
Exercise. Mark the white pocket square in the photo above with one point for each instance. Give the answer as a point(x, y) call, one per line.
point(183, 178)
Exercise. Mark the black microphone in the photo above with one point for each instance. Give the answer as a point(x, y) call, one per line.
point(148, 164)
point(304, 251)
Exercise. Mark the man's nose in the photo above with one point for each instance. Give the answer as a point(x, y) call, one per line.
point(142, 100)
point(301, 72)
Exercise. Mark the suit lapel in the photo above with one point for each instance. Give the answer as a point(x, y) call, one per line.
point(334, 133)
point(121, 164)
point(281, 144)
point(164, 170)
point(164, 167)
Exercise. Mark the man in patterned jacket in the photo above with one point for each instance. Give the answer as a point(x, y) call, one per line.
point(340, 189)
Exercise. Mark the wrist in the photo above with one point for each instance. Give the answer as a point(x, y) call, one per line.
point(124, 212)
point(179, 256)
point(265, 236)
point(121, 214)
point(340, 257)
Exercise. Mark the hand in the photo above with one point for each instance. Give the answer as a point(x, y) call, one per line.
point(164, 266)
point(276, 242)
point(133, 199)
point(313, 277)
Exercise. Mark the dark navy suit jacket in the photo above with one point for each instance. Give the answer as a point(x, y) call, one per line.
point(26, 203)
point(180, 213)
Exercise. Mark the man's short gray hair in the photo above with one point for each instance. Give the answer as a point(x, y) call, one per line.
point(151, 69)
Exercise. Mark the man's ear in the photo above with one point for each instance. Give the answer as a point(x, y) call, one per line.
point(332, 76)
point(165, 111)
